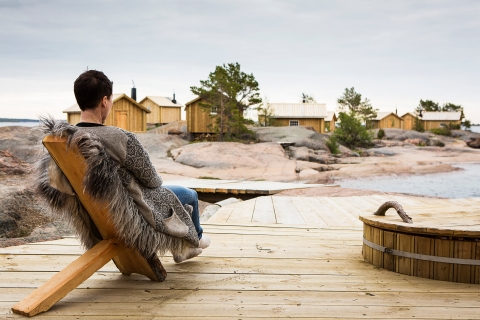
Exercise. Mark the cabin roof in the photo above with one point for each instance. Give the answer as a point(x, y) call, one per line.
point(442, 116)
point(330, 116)
point(299, 110)
point(162, 101)
point(409, 113)
point(195, 100)
point(76, 109)
point(382, 115)
point(192, 101)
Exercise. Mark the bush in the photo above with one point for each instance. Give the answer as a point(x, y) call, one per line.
point(381, 134)
point(351, 132)
point(333, 145)
point(418, 125)
point(453, 126)
point(467, 124)
point(442, 131)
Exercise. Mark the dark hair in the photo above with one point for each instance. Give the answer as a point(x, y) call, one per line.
point(90, 88)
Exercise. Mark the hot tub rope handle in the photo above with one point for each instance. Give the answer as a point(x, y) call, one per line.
point(397, 206)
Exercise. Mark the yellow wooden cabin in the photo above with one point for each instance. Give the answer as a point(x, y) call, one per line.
point(199, 120)
point(163, 109)
point(299, 114)
point(408, 121)
point(126, 113)
point(385, 120)
point(330, 121)
point(432, 120)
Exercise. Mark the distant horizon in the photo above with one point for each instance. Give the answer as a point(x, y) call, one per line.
point(37, 120)
point(18, 120)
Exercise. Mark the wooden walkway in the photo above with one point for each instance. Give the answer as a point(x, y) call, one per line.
point(253, 270)
point(213, 190)
point(333, 212)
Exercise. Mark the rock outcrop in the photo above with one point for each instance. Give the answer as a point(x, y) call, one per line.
point(283, 134)
point(466, 136)
point(20, 213)
point(159, 145)
point(474, 144)
point(231, 160)
point(22, 142)
point(10, 164)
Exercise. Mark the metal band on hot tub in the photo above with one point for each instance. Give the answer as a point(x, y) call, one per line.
point(420, 256)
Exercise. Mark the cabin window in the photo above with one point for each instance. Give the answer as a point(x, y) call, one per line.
point(148, 107)
point(293, 123)
point(214, 110)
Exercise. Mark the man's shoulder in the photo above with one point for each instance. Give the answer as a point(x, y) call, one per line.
point(108, 133)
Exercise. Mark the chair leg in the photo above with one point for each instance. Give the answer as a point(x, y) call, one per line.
point(45, 296)
point(131, 261)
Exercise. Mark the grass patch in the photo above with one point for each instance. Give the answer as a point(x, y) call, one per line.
point(208, 178)
point(442, 131)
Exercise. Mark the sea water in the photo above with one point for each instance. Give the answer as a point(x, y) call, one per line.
point(463, 183)
point(23, 124)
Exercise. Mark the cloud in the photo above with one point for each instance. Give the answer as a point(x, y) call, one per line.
point(394, 52)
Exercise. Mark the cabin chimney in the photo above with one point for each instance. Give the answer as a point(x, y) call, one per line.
point(173, 100)
point(134, 92)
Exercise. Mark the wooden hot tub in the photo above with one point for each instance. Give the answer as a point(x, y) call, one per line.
point(435, 246)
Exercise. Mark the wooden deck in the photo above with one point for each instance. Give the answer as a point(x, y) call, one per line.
point(255, 269)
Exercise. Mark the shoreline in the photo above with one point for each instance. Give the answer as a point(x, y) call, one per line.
point(262, 161)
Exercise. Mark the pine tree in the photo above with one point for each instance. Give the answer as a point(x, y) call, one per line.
point(352, 103)
point(232, 92)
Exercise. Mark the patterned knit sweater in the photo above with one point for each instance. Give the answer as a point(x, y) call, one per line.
point(119, 171)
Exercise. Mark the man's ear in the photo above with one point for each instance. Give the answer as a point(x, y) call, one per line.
point(104, 101)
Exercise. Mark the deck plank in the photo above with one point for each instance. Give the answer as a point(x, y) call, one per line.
point(308, 213)
point(263, 211)
point(242, 211)
point(286, 212)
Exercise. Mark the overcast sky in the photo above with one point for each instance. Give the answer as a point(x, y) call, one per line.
point(393, 52)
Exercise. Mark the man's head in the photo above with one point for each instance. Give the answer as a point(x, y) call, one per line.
point(90, 88)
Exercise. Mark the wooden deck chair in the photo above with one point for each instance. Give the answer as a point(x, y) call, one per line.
point(127, 260)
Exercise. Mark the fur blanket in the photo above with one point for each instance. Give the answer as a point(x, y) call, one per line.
point(103, 181)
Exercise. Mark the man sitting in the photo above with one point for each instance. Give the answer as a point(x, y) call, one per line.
point(150, 217)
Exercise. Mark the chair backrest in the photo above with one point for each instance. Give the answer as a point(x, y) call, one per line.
point(72, 164)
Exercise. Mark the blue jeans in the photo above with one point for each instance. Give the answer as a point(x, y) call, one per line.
point(188, 196)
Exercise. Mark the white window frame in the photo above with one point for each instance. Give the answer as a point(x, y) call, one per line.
point(291, 123)
point(214, 110)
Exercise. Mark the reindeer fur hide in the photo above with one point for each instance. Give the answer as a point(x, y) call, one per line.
point(164, 225)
